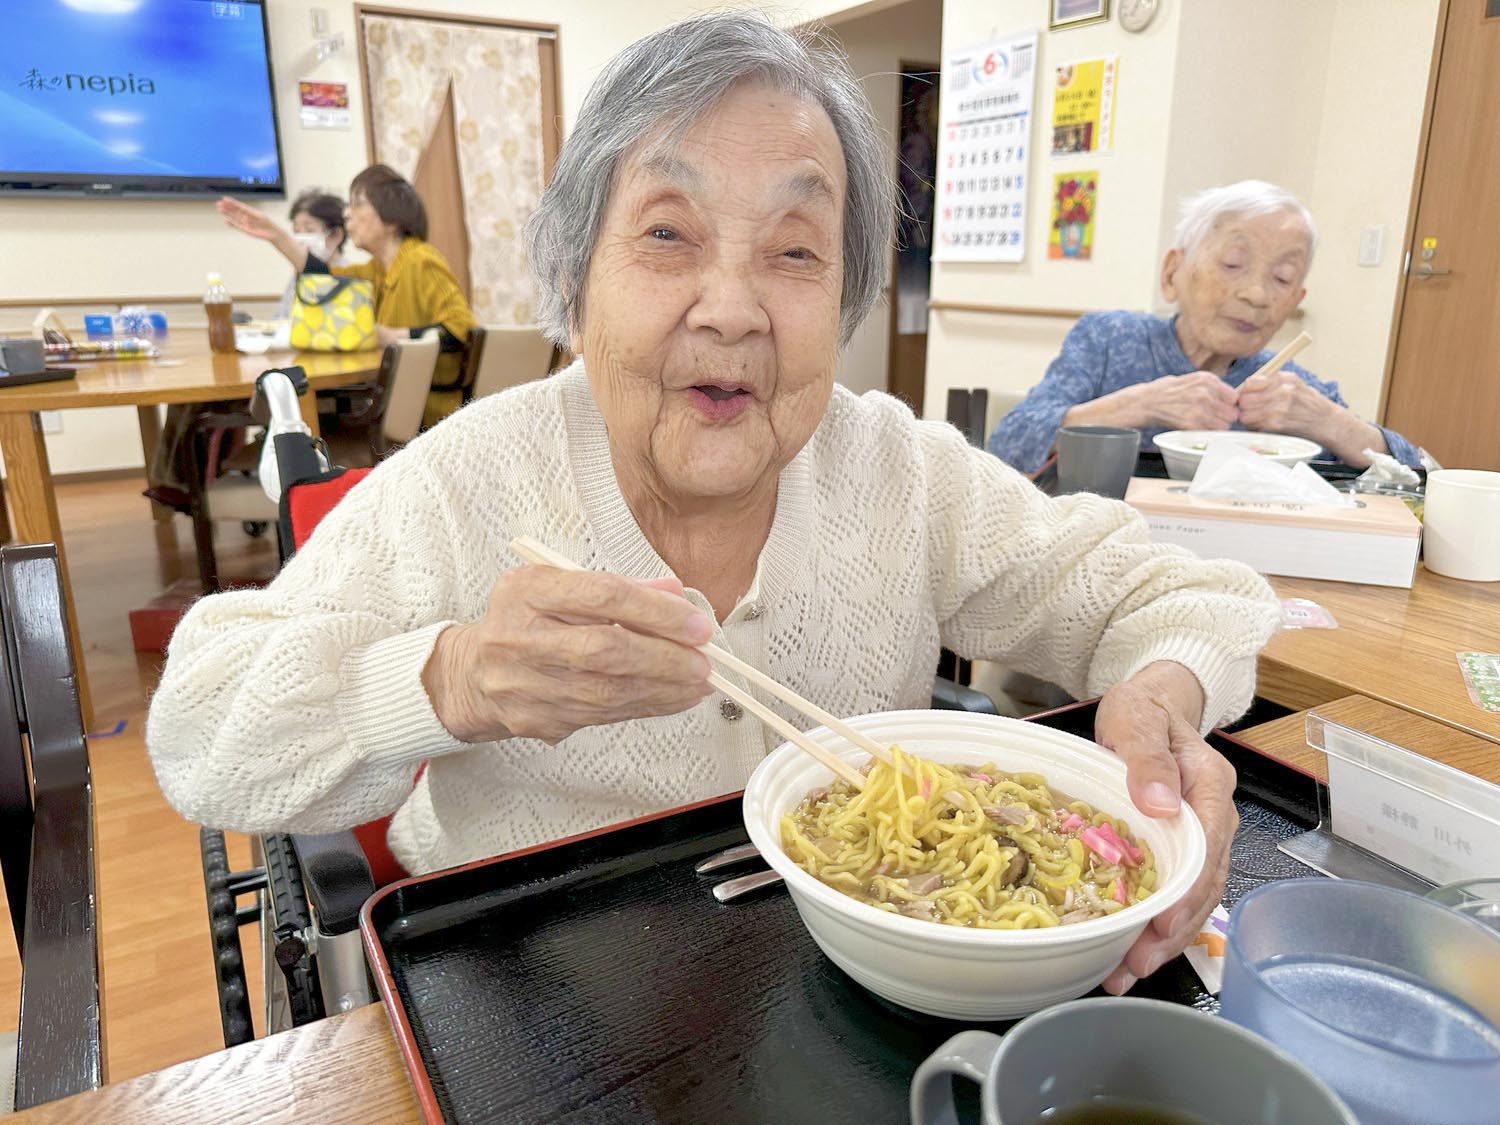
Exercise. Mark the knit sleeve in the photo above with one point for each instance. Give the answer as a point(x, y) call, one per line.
point(1072, 590)
point(1025, 436)
point(300, 707)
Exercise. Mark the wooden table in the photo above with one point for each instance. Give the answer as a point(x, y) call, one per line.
point(186, 371)
point(1391, 645)
point(1285, 739)
point(341, 1069)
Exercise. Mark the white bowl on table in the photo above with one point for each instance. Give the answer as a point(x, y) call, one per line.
point(1183, 449)
point(955, 971)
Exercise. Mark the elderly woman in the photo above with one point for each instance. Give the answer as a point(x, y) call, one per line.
point(1235, 273)
point(718, 223)
point(415, 290)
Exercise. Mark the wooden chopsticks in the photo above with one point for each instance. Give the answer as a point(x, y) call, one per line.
point(535, 552)
point(1284, 355)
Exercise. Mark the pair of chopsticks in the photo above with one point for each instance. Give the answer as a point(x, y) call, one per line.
point(1284, 356)
point(534, 552)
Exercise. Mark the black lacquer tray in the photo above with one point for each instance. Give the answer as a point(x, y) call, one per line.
point(598, 980)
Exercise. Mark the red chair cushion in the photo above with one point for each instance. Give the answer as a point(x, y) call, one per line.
point(309, 501)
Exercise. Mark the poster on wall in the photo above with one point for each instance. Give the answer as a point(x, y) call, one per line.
point(1083, 106)
point(325, 105)
point(984, 152)
point(1075, 198)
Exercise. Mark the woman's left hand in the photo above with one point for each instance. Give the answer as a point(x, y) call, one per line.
point(386, 336)
point(1279, 402)
point(1151, 720)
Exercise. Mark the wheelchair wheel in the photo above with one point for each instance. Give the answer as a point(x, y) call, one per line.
point(288, 901)
point(255, 528)
point(224, 932)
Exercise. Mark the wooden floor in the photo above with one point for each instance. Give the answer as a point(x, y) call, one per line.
point(159, 999)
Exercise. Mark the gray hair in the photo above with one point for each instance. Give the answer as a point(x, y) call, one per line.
point(1200, 211)
point(665, 82)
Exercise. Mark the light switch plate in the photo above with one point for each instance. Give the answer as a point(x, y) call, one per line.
point(1370, 239)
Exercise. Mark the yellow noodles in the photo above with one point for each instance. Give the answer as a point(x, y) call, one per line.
point(968, 846)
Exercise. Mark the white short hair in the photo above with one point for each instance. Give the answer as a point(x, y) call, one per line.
point(667, 81)
point(1200, 211)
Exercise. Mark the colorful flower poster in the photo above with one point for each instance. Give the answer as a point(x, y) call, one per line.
point(1083, 106)
point(1075, 197)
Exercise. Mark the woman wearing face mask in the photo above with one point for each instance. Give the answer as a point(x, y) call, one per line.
point(1235, 273)
point(317, 224)
point(415, 290)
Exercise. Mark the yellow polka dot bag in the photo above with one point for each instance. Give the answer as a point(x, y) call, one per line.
point(333, 314)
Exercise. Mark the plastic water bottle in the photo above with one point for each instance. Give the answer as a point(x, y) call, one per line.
point(220, 309)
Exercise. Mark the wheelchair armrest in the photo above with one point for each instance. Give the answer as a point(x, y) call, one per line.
point(337, 878)
point(949, 696)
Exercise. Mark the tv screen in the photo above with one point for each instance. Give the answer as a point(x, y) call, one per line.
point(144, 97)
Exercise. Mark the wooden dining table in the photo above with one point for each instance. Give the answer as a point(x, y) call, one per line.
point(185, 371)
point(1392, 645)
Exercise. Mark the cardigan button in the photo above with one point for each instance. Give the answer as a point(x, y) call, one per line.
point(731, 710)
point(753, 612)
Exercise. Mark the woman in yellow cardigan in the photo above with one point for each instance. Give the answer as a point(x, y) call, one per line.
point(414, 288)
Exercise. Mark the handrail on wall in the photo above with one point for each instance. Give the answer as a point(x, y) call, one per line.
point(1005, 310)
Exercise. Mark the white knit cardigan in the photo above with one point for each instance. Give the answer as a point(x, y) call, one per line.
point(300, 707)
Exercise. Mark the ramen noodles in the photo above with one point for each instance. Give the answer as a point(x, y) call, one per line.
point(968, 846)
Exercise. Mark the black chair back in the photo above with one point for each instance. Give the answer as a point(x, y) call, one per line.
point(967, 410)
point(47, 835)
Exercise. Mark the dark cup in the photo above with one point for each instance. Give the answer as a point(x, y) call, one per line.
point(1098, 459)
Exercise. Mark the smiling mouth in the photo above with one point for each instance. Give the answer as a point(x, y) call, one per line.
point(721, 394)
point(720, 404)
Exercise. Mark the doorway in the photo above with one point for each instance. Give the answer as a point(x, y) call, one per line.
point(1443, 386)
point(469, 110)
point(916, 170)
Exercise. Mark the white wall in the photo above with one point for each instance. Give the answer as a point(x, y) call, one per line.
point(877, 45)
point(1325, 98)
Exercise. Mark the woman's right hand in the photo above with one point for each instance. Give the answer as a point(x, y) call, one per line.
point(1199, 400)
point(559, 650)
point(242, 217)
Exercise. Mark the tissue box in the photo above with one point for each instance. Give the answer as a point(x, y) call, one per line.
point(1375, 543)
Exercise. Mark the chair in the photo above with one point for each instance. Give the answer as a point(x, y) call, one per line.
point(231, 492)
point(502, 356)
point(405, 378)
point(47, 835)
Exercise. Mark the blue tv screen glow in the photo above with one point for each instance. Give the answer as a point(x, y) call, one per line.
point(155, 97)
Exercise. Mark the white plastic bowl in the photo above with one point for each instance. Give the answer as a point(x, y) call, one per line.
point(952, 971)
point(1182, 459)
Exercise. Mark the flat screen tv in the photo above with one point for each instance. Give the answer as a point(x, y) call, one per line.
point(137, 97)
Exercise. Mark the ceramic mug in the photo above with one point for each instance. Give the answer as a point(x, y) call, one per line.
point(1461, 524)
point(1147, 1053)
point(1098, 459)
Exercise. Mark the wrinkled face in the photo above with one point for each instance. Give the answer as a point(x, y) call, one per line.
point(303, 223)
point(1239, 284)
point(711, 305)
point(366, 230)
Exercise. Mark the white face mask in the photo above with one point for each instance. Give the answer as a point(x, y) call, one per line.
point(315, 243)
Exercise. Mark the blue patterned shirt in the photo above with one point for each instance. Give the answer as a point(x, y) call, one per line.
point(1107, 351)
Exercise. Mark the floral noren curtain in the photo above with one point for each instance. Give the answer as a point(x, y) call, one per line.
point(495, 77)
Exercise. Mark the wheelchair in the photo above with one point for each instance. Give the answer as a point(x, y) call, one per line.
point(305, 892)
